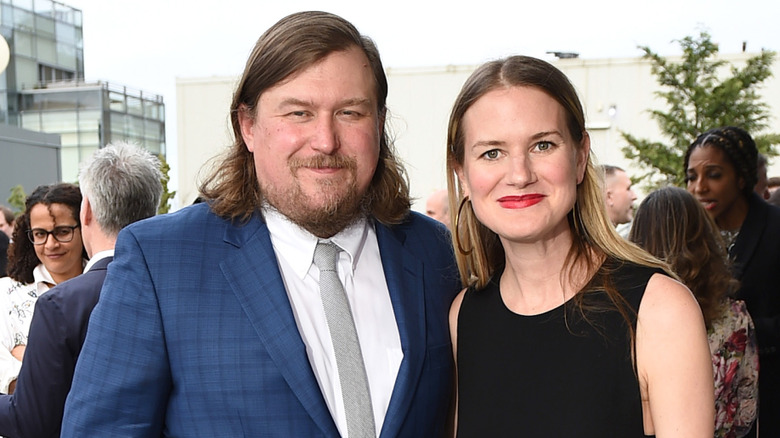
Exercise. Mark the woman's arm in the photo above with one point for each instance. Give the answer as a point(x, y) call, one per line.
point(674, 362)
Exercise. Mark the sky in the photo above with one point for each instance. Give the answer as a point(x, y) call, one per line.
point(148, 44)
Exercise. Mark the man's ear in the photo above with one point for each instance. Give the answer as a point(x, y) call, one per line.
point(246, 121)
point(87, 215)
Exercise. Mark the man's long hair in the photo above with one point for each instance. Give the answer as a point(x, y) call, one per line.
point(293, 44)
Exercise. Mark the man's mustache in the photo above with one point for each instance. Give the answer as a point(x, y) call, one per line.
point(336, 161)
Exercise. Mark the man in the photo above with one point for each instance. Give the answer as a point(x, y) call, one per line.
point(226, 319)
point(762, 185)
point(618, 195)
point(773, 184)
point(6, 221)
point(437, 206)
point(4, 242)
point(120, 184)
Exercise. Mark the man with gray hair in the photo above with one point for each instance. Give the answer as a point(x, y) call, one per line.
point(120, 184)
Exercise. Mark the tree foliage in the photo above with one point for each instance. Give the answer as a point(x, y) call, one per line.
point(17, 198)
point(166, 197)
point(700, 95)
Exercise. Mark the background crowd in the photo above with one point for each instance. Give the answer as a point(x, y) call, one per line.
point(303, 297)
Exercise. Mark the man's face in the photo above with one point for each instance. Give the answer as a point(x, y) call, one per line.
point(620, 198)
point(315, 140)
point(436, 207)
point(762, 185)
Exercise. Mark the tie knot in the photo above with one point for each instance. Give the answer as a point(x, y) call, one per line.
point(325, 256)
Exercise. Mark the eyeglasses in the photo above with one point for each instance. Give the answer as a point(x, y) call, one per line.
point(64, 234)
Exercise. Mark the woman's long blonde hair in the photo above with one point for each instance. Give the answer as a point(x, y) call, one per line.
point(478, 250)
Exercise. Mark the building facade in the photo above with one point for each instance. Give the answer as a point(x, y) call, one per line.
point(43, 88)
point(616, 95)
point(89, 115)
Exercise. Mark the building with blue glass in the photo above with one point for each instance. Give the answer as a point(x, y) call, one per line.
point(43, 90)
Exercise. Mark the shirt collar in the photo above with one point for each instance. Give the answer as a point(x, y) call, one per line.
point(97, 257)
point(42, 275)
point(296, 245)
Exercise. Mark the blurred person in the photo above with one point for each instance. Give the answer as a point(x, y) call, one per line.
point(303, 297)
point(4, 241)
point(437, 207)
point(721, 174)
point(549, 335)
point(762, 183)
point(772, 184)
point(774, 198)
point(47, 249)
point(7, 221)
point(120, 184)
point(619, 197)
point(673, 226)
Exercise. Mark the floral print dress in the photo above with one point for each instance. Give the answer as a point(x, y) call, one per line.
point(732, 342)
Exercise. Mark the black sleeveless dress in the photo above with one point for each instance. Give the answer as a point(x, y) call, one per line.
point(554, 374)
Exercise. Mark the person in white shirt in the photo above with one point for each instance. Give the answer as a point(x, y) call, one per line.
point(47, 249)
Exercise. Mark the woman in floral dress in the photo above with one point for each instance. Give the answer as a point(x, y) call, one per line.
point(673, 226)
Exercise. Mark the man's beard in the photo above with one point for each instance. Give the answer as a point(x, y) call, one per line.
point(341, 204)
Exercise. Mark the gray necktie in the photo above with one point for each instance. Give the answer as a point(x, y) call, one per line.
point(349, 359)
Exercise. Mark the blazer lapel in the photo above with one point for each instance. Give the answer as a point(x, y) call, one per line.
point(253, 274)
point(404, 276)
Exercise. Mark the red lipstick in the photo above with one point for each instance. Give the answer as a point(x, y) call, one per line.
point(522, 201)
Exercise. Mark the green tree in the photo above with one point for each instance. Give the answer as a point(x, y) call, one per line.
point(699, 96)
point(166, 195)
point(17, 198)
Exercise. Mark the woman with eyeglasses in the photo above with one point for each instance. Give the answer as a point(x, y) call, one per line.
point(47, 249)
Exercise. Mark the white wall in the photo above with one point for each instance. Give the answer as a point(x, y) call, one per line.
point(420, 101)
point(203, 128)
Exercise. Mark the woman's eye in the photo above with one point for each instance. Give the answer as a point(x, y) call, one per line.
point(543, 145)
point(491, 154)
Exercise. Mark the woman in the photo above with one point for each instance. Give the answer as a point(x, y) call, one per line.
point(549, 336)
point(721, 174)
point(47, 249)
point(671, 225)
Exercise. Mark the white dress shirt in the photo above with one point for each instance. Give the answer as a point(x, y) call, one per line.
point(360, 270)
point(97, 257)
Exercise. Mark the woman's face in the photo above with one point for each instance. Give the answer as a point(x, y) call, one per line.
point(521, 165)
point(713, 181)
point(61, 259)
